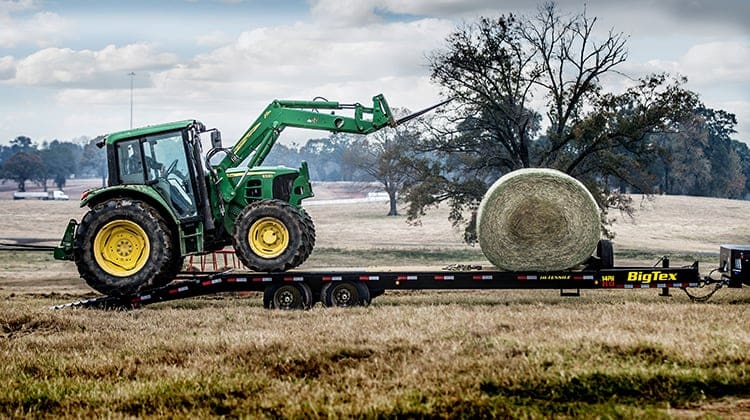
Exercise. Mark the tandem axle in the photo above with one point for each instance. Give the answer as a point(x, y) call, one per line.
point(302, 289)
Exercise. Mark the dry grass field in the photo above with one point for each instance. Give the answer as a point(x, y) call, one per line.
point(530, 354)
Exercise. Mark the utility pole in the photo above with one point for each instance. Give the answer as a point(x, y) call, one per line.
point(132, 76)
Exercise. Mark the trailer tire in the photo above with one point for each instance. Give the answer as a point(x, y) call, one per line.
point(271, 235)
point(606, 254)
point(364, 293)
point(287, 296)
point(122, 246)
point(344, 294)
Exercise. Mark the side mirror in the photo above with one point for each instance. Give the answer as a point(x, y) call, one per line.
point(216, 139)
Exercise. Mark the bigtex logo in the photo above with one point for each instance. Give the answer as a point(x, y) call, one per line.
point(648, 277)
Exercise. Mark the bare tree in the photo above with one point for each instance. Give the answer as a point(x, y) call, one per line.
point(505, 74)
point(568, 66)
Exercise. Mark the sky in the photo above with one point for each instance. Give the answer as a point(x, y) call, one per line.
point(65, 66)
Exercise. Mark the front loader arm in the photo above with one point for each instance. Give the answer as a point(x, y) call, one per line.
point(256, 143)
point(258, 140)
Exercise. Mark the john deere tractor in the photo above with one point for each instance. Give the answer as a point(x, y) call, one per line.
point(166, 199)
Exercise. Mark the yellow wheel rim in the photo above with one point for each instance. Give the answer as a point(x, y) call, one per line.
point(268, 237)
point(121, 248)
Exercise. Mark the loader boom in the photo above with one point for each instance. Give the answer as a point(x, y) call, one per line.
point(256, 143)
point(260, 137)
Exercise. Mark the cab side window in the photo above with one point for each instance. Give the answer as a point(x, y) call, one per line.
point(130, 162)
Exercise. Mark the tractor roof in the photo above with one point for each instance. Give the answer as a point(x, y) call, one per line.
point(148, 130)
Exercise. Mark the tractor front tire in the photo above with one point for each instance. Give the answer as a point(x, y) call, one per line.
point(122, 246)
point(271, 235)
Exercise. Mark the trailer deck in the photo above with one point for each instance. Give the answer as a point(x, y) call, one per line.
point(376, 282)
point(343, 288)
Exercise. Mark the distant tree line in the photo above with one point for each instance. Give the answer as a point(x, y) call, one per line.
point(50, 163)
point(700, 158)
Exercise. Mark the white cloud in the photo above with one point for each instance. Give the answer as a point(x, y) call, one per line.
point(7, 67)
point(213, 39)
point(229, 86)
point(87, 68)
point(332, 12)
point(717, 62)
point(9, 6)
point(708, 66)
point(41, 29)
point(347, 51)
point(285, 61)
point(454, 8)
point(741, 109)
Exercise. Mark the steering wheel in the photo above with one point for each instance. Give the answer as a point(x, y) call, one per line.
point(172, 170)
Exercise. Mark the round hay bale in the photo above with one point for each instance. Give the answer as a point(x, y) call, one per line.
point(538, 219)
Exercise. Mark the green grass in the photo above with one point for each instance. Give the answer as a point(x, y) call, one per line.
point(419, 354)
point(448, 354)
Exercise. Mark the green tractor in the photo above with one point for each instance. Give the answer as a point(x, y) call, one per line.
point(166, 200)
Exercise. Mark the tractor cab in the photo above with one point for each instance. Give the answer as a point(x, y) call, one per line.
point(162, 157)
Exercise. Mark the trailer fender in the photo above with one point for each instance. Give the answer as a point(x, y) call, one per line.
point(140, 192)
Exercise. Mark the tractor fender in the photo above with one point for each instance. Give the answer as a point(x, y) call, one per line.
point(140, 192)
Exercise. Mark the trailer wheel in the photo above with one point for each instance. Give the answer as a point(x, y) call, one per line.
point(287, 297)
point(606, 254)
point(122, 246)
point(345, 294)
point(271, 235)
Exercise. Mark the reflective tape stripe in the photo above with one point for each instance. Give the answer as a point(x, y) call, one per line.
point(210, 282)
point(178, 290)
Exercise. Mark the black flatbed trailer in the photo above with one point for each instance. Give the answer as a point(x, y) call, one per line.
point(302, 289)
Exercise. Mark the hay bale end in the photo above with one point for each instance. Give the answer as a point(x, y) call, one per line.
point(538, 219)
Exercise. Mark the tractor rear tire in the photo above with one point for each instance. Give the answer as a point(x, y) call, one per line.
point(122, 246)
point(308, 238)
point(271, 235)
